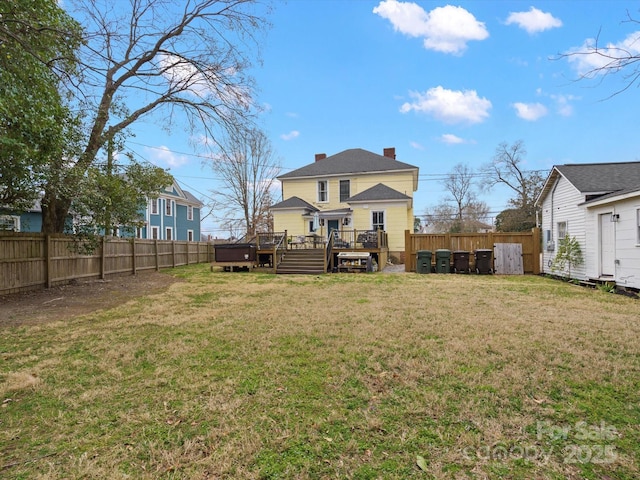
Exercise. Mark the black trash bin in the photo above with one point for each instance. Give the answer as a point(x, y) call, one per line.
point(484, 264)
point(443, 261)
point(461, 261)
point(423, 261)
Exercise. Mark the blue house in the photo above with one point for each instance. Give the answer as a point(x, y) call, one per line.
point(173, 215)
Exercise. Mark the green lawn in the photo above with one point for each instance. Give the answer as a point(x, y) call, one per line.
point(363, 376)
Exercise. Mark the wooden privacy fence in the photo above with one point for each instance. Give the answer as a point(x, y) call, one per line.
point(34, 260)
point(470, 242)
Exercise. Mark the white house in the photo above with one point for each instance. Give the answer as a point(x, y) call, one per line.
point(599, 205)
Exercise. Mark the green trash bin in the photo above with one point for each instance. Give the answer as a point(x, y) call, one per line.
point(443, 260)
point(423, 261)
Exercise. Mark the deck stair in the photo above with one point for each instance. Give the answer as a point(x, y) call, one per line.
point(308, 261)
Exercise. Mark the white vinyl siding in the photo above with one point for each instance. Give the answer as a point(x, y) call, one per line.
point(560, 207)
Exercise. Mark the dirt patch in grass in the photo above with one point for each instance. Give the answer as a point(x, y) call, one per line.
point(78, 298)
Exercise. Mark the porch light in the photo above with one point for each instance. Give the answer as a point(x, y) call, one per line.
point(615, 217)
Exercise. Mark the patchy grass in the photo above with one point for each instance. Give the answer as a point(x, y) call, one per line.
point(244, 375)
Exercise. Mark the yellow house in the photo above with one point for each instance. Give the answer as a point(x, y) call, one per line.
point(354, 190)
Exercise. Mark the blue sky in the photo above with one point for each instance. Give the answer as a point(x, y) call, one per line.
point(442, 83)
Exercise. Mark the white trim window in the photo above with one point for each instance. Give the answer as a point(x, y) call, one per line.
point(139, 231)
point(10, 223)
point(155, 233)
point(323, 191)
point(377, 220)
point(189, 235)
point(168, 208)
point(154, 209)
point(189, 212)
point(563, 230)
point(169, 233)
point(345, 190)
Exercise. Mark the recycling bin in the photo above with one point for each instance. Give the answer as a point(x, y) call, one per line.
point(484, 264)
point(461, 261)
point(443, 260)
point(423, 261)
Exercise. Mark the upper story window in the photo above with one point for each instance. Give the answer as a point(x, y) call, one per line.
point(189, 212)
point(154, 206)
point(323, 191)
point(345, 190)
point(168, 208)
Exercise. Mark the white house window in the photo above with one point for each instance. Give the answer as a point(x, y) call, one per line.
point(169, 232)
point(190, 235)
point(168, 208)
point(154, 206)
point(155, 233)
point(139, 231)
point(345, 190)
point(189, 212)
point(323, 195)
point(10, 222)
point(562, 230)
point(377, 220)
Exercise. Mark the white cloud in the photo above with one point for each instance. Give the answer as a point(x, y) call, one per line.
point(530, 111)
point(449, 106)
point(292, 114)
point(587, 60)
point(444, 29)
point(534, 20)
point(416, 145)
point(290, 136)
point(164, 157)
point(563, 106)
point(451, 139)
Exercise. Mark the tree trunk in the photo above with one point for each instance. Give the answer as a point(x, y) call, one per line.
point(55, 211)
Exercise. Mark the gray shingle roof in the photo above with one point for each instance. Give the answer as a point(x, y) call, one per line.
point(191, 198)
point(294, 202)
point(602, 177)
point(378, 192)
point(355, 160)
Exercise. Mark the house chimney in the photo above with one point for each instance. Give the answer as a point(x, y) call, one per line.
point(390, 153)
point(320, 156)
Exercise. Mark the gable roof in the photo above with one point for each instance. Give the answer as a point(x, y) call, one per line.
point(294, 203)
point(376, 193)
point(355, 160)
point(595, 178)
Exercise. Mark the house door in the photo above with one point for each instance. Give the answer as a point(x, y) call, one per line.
point(332, 225)
point(607, 247)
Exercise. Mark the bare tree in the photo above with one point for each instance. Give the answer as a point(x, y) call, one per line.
point(461, 211)
point(459, 183)
point(507, 168)
point(181, 63)
point(597, 59)
point(247, 167)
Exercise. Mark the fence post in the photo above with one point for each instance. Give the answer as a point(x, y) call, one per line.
point(48, 261)
point(535, 238)
point(155, 242)
point(103, 257)
point(173, 253)
point(133, 253)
